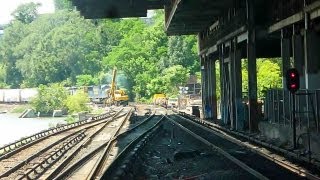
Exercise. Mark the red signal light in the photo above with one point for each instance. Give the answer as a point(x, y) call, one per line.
point(292, 80)
point(293, 86)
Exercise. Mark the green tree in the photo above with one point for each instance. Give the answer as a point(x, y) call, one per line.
point(58, 47)
point(26, 13)
point(49, 98)
point(268, 76)
point(62, 4)
point(13, 35)
point(77, 102)
point(174, 77)
point(182, 50)
point(86, 80)
point(64, 47)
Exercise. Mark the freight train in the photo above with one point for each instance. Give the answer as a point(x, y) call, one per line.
point(97, 94)
point(17, 95)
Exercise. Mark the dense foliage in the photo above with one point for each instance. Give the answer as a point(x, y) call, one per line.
point(55, 97)
point(49, 98)
point(63, 47)
point(77, 102)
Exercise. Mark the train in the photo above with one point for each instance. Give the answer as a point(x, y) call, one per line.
point(96, 94)
point(17, 95)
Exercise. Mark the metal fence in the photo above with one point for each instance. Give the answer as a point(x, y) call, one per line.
point(278, 108)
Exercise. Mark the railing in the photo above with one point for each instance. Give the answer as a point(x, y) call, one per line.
point(278, 108)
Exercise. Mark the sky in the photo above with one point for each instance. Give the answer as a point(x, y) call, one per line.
point(8, 6)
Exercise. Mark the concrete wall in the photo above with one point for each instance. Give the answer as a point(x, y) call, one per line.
point(281, 136)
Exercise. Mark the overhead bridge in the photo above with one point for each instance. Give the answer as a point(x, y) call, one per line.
point(232, 30)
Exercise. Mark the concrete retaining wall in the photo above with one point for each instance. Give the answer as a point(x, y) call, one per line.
point(282, 135)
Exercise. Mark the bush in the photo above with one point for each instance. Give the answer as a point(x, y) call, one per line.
point(49, 98)
point(77, 102)
point(70, 119)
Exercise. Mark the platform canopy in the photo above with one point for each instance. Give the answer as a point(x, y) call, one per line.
point(192, 16)
point(181, 16)
point(96, 9)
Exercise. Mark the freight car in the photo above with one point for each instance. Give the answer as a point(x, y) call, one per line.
point(17, 95)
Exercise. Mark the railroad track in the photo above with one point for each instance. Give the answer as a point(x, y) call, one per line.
point(34, 158)
point(154, 157)
point(312, 163)
point(12, 148)
point(260, 164)
point(132, 141)
point(82, 161)
point(94, 164)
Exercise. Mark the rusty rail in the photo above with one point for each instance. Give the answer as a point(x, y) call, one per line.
point(270, 156)
point(40, 168)
point(10, 149)
point(84, 159)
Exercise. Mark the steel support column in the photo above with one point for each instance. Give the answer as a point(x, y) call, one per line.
point(226, 90)
point(203, 82)
point(209, 88)
point(298, 57)
point(312, 56)
point(214, 88)
point(285, 55)
point(252, 67)
point(238, 87)
point(232, 86)
point(222, 85)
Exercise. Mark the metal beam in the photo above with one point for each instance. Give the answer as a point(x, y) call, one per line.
point(172, 12)
point(240, 33)
point(286, 22)
point(313, 9)
point(233, 34)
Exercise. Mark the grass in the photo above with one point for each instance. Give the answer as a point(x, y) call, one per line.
point(98, 111)
point(20, 108)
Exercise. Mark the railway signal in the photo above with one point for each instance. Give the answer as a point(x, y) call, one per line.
point(293, 80)
point(293, 85)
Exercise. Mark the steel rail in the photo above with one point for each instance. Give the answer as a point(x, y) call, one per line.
point(99, 166)
point(287, 153)
point(22, 163)
point(221, 151)
point(33, 156)
point(63, 164)
point(51, 159)
point(83, 160)
point(296, 169)
point(13, 148)
point(132, 147)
